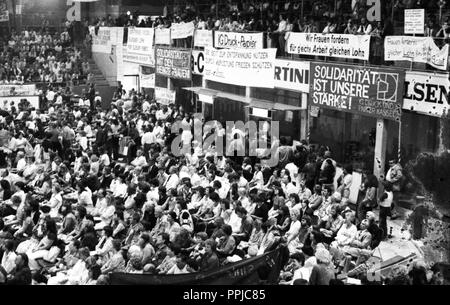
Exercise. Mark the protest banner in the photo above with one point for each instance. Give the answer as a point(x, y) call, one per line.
point(173, 62)
point(164, 95)
point(232, 40)
point(4, 13)
point(101, 41)
point(147, 80)
point(203, 38)
point(371, 91)
point(329, 45)
point(198, 62)
point(263, 268)
point(181, 30)
point(162, 36)
point(426, 93)
point(18, 90)
point(292, 75)
point(254, 68)
point(140, 46)
point(415, 49)
point(414, 21)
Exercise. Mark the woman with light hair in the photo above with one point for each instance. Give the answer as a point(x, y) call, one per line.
point(323, 272)
point(291, 235)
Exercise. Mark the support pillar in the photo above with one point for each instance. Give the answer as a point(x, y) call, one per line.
point(248, 94)
point(380, 149)
point(303, 124)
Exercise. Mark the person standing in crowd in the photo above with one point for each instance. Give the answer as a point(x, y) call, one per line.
point(396, 178)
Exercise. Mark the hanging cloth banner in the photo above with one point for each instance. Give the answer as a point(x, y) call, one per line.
point(416, 49)
point(329, 45)
point(182, 30)
point(162, 36)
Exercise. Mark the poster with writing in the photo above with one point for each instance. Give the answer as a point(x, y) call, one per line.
point(203, 38)
point(292, 75)
point(101, 42)
point(426, 93)
point(4, 13)
point(173, 62)
point(182, 30)
point(140, 46)
point(253, 68)
point(329, 45)
point(232, 40)
point(164, 95)
point(414, 21)
point(17, 90)
point(371, 91)
point(416, 49)
point(162, 36)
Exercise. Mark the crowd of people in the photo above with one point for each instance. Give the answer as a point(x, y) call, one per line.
point(39, 56)
point(278, 19)
point(87, 191)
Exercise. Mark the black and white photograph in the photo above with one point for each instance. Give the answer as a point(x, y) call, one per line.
point(247, 146)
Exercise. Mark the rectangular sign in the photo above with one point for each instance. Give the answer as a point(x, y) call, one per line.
point(426, 93)
point(101, 42)
point(198, 62)
point(147, 80)
point(162, 36)
point(181, 30)
point(232, 40)
point(414, 21)
point(164, 95)
point(17, 90)
point(4, 13)
point(292, 75)
point(174, 63)
point(371, 91)
point(140, 46)
point(203, 38)
point(416, 49)
point(329, 45)
point(254, 68)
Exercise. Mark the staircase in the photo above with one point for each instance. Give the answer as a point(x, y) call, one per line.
point(99, 78)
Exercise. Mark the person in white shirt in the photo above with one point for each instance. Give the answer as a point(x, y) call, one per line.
point(365, 28)
point(172, 180)
point(140, 160)
point(9, 256)
point(21, 163)
point(347, 232)
point(104, 158)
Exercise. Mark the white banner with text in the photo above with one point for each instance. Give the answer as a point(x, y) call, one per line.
point(254, 68)
point(329, 45)
point(416, 49)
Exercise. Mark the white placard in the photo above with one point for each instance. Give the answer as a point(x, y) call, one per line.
point(426, 93)
point(414, 21)
point(254, 68)
point(164, 95)
point(101, 43)
point(203, 38)
point(354, 188)
point(162, 36)
point(140, 46)
point(147, 80)
point(17, 90)
point(416, 49)
point(292, 75)
point(329, 45)
point(198, 62)
point(232, 40)
point(182, 30)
